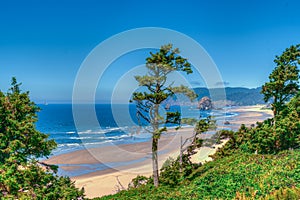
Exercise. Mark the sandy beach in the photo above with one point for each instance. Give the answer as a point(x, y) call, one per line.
point(124, 162)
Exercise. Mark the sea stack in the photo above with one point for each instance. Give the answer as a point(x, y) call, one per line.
point(205, 103)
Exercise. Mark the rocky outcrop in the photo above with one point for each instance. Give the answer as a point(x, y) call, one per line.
point(205, 104)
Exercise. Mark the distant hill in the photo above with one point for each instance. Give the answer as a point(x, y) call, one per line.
point(234, 95)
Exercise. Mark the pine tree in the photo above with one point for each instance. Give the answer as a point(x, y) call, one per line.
point(160, 65)
point(283, 81)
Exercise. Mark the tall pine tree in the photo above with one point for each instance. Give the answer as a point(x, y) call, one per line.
point(160, 65)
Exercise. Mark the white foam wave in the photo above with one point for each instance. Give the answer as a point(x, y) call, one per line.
point(69, 145)
point(80, 138)
point(114, 128)
point(103, 131)
point(87, 131)
point(71, 132)
point(96, 143)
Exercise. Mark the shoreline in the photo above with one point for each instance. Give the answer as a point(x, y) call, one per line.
point(124, 162)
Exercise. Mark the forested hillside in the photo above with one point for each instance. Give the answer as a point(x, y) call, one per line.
point(236, 95)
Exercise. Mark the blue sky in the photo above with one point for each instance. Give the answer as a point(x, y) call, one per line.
point(43, 43)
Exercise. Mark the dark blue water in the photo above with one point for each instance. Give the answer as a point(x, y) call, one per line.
point(113, 128)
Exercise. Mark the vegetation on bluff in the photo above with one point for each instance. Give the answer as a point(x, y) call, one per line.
point(239, 176)
point(261, 162)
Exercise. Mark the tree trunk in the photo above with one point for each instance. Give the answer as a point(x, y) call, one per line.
point(155, 138)
point(155, 161)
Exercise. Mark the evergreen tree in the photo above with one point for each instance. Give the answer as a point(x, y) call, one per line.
point(160, 65)
point(283, 81)
point(20, 141)
point(22, 175)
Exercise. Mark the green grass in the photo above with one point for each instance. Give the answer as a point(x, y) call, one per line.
point(240, 175)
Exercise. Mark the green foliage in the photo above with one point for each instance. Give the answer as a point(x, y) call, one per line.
point(283, 81)
point(172, 173)
point(248, 175)
point(189, 121)
point(20, 140)
point(254, 175)
point(160, 65)
point(139, 181)
point(22, 176)
point(30, 181)
point(206, 124)
point(284, 193)
point(266, 137)
point(195, 140)
point(283, 131)
point(168, 60)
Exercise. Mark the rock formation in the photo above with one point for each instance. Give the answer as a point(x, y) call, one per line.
point(205, 104)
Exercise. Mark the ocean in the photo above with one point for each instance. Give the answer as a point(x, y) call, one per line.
point(57, 121)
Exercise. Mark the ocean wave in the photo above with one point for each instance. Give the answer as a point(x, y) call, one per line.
point(87, 131)
point(99, 138)
point(68, 144)
point(231, 114)
point(113, 128)
point(80, 138)
point(113, 137)
point(60, 146)
point(104, 130)
point(71, 132)
point(225, 116)
point(97, 143)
